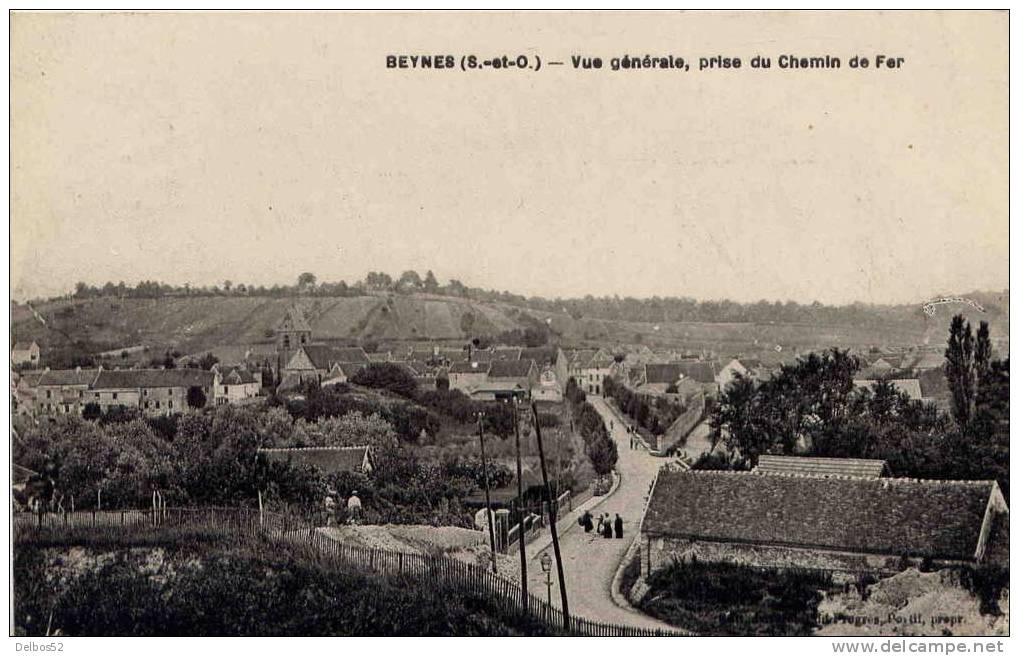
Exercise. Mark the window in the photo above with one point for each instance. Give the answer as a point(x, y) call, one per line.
point(157, 405)
point(48, 393)
point(303, 338)
point(169, 404)
point(97, 395)
point(226, 389)
point(145, 392)
point(286, 341)
point(114, 396)
point(169, 392)
point(81, 394)
point(146, 405)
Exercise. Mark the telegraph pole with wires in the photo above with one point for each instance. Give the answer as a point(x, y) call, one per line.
point(519, 505)
point(488, 497)
point(552, 521)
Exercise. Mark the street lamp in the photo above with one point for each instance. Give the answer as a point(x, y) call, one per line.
point(546, 566)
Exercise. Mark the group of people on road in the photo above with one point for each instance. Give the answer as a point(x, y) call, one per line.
point(606, 526)
point(635, 441)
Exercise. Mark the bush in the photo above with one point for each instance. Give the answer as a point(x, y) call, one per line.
point(725, 599)
point(388, 376)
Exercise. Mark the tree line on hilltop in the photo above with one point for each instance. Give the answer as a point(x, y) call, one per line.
point(616, 308)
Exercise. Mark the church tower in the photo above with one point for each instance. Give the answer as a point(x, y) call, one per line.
point(293, 333)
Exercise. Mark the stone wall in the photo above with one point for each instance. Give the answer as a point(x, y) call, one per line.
point(659, 552)
point(685, 423)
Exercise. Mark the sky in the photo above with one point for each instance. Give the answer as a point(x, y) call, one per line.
point(251, 147)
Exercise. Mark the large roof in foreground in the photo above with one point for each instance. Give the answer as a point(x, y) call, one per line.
point(939, 519)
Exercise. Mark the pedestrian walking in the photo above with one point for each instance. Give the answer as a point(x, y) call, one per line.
point(354, 507)
point(619, 526)
point(607, 530)
point(587, 521)
point(601, 522)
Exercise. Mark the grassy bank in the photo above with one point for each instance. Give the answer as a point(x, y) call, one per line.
point(723, 599)
point(208, 583)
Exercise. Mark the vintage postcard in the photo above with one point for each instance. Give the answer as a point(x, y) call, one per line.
point(510, 323)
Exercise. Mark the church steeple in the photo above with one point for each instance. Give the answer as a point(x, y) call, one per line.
point(293, 333)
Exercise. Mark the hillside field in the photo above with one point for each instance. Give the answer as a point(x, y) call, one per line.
point(196, 324)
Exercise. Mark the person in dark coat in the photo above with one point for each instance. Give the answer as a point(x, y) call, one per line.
point(619, 526)
point(607, 527)
point(587, 521)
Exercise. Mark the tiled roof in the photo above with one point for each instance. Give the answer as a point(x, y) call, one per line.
point(702, 372)
point(581, 357)
point(540, 354)
point(329, 459)
point(24, 346)
point(857, 467)
point(324, 356)
point(940, 519)
point(496, 386)
point(453, 355)
point(504, 353)
point(908, 386)
point(235, 375)
point(423, 355)
point(31, 378)
point(661, 372)
point(62, 377)
point(510, 368)
point(131, 378)
point(468, 368)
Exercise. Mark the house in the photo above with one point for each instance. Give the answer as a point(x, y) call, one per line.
point(64, 391)
point(852, 467)
point(522, 372)
point(426, 375)
point(24, 390)
point(318, 362)
point(497, 391)
point(154, 391)
point(236, 384)
point(25, 353)
point(590, 369)
point(330, 459)
point(464, 376)
point(908, 386)
point(843, 524)
point(549, 387)
point(727, 373)
point(576, 361)
point(657, 378)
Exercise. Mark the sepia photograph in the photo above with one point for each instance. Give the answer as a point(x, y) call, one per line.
point(666, 325)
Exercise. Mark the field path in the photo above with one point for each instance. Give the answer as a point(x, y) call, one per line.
point(589, 561)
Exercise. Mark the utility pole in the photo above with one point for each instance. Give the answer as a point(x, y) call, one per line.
point(488, 498)
point(520, 512)
point(552, 526)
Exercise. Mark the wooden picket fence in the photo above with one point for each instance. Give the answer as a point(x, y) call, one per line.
point(313, 545)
